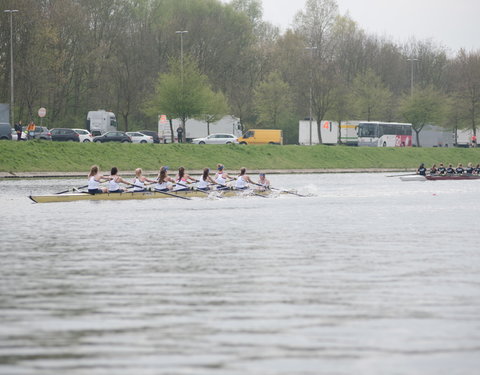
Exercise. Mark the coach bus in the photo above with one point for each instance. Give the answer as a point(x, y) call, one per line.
point(384, 134)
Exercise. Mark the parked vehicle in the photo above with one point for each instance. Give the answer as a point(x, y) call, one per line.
point(5, 131)
point(41, 132)
point(84, 135)
point(100, 122)
point(154, 135)
point(64, 135)
point(262, 137)
point(113, 137)
point(216, 139)
point(384, 134)
point(138, 137)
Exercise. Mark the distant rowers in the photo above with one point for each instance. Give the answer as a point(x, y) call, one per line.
point(422, 171)
point(477, 169)
point(263, 182)
point(433, 170)
point(221, 177)
point(94, 180)
point(243, 180)
point(163, 180)
point(182, 180)
point(450, 169)
point(441, 169)
point(205, 180)
point(469, 169)
point(115, 180)
point(139, 181)
point(459, 169)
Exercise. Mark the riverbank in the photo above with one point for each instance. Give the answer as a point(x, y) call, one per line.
point(55, 159)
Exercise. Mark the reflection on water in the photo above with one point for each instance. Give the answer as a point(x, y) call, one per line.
point(371, 275)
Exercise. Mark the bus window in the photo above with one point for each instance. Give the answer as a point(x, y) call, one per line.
point(367, 130)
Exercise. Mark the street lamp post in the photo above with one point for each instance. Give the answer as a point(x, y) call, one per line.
point(411, 75)
point(11, 11)
point(181, 32)
point(311, 49)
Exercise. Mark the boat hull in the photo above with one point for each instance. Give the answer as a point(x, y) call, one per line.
point(142, 195)
point(454, 177)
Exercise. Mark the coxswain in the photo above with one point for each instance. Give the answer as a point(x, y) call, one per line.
point(163, 180)
point(441, 169)
point(242, 180)
point(433, 170)
point(182, 180)
point(422, 171)
point(139, 181)
point(450, 169)
point(205, 180)
point(459, 169)
point(263, 182)
point(221, 177)
point(115, 180)
point(94, 180)
point(469, 169)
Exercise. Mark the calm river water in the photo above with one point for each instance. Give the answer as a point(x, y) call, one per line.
point(370, 275)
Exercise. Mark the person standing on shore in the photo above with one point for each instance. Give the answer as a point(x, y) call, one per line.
point(18, 130)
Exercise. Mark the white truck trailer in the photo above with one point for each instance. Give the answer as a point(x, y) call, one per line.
point(100, 122)
point(330, 133)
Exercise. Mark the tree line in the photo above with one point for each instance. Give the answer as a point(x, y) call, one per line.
point(72, 56)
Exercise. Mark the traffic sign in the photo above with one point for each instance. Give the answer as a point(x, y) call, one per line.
point(42, 112)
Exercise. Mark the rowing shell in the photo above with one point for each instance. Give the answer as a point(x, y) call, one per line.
point(140, 195)
point(441, 177)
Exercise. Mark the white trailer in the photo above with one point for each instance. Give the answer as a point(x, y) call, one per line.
point(465, 138)
point(330, 133)
point(199, 129)
point(100, 122)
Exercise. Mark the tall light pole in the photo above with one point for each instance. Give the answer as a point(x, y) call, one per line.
point(311, 49)
point(181, 50)
point(11, 11)
point(411, 75)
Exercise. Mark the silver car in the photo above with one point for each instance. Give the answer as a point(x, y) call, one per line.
point(216, 139)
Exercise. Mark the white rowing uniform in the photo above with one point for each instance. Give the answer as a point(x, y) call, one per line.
point(138, 185)
point(161, 186)
point(240, 184)
point(93, 184)
point(219, 179)
point(181, 184)
point(202, 184)
point(113, 184)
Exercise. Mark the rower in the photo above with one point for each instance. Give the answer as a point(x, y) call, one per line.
point(205, 180)
point(221, 177)
point(450, 169)
point(182, 180)
point(441, 169)
point(263, 182)
point(422, 171)
point(94, 180)
point(477, 169)
point(242, 180)
point(139, 181)
point(469, 169)
point(433, 170)
point(163, 180)
point(115, 180)
point(459, 169)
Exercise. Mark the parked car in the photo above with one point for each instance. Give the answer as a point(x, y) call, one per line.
point(84, 135)
point(64, 135)
point(5, 131)
point(216, 139)
point(41, 132)
point(113, 137)
point(138, 137)
point(154, 135)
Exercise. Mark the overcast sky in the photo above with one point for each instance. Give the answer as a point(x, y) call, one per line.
point(450, 23)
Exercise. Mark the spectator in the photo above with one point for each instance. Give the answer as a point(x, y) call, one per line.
point(18, 130)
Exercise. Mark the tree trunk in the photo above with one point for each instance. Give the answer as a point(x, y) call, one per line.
point(418, 138)
point(171, 130)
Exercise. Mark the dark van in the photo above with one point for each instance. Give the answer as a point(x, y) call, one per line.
point(5, 131)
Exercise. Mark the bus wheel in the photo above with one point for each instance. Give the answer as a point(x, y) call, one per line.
point(243, 143)
point(384, 144)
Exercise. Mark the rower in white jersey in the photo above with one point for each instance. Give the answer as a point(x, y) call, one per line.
point(182, 180)
point(139, 181)
point(221, 177)
point(205, 180)
point(263, 183)
point(115, 180)
point(94, 180)
point(243, 180)
point(164, 181)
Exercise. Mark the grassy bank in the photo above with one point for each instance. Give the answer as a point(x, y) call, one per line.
point(37, 156)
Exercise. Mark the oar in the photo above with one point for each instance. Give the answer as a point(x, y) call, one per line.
point(164, 192)
point(282, 190)
point(401, 175)
point(194, 188)
point(66, 191)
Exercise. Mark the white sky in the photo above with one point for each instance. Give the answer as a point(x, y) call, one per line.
point(454, 24)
